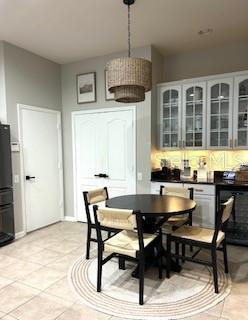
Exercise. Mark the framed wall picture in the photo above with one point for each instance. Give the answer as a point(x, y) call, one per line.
point(108, 96)
point(86, 87)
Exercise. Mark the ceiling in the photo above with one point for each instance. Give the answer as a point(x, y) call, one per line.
point(65, 31)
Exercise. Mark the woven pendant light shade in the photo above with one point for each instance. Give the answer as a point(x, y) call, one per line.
point(129, 78)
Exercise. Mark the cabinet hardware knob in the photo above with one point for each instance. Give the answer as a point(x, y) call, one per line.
point(101, 175)
point(199, 190)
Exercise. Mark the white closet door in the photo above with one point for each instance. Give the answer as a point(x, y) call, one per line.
point(104, 143)
point(118, 152)
point(87, 141)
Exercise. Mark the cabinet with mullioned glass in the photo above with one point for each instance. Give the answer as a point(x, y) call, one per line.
point(201, 113)
point(194, 116)
point(240, 112)
point(219, 114)
point(170, 117)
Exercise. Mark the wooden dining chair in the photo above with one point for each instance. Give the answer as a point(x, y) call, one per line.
point(177, 221)
point(202, 238)
point(90, 198)
point(129, 244)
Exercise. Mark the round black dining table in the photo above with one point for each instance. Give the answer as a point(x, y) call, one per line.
point(158, 209)
point(153, 205)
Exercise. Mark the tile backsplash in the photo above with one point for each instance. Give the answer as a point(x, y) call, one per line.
point(216, 160)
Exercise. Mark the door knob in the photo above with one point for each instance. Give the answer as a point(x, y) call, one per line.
point(29, 178)
point(101, 175)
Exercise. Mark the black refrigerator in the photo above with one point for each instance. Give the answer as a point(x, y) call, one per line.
point(7, 230)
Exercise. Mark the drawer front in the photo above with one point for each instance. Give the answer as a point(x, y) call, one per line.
point(6, 197)
point(201, 188)
point(155, 186)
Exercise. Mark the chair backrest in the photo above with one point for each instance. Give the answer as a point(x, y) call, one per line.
point(97, 195)
point(176, 191)
point(223, 217)
point(93, 197)
point(117, 218)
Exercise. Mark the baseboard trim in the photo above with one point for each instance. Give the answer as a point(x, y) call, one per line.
point(70, 219)
point(20, 235)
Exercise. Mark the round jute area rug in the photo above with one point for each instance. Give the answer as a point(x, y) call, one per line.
point(185, 294)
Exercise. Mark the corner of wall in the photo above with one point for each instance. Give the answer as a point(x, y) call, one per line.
point(157, 75)
point(3, 107)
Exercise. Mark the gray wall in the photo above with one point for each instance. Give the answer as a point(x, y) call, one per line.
point(157, 77)
point(3, 111)
point(228, 58)
point(69, 104)
point(30, 80)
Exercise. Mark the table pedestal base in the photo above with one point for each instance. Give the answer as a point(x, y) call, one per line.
point(150, 258)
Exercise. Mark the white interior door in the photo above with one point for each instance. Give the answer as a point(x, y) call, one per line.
point(40, 135)
point(104, 143)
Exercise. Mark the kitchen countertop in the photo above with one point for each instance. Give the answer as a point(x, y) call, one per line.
point(219, 182)
point(181, 181)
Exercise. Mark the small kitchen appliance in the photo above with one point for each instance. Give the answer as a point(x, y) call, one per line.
point(186, 170)
point(202, 174)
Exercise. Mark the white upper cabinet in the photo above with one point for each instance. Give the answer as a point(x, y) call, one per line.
point(240, 125)
point(170, 117)
point(219, 113)
point(205, 113)
point(194, 115)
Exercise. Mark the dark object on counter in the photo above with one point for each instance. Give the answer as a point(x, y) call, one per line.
point(224, 176)
point(176, 173)
point(156, 174)
point(166, 174)
point(229, 175)
point(241, 176)
point(7, 232)
point(195, 175)
point(218, 176)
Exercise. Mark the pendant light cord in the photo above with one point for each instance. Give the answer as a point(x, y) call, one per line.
point(129, 32)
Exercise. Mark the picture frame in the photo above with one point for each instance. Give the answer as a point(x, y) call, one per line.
point(86, 87)
point(108, 96)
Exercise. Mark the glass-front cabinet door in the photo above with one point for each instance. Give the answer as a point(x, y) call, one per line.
point(240, 126)
point(194, 115)
point(170, 117)
point(219, 110)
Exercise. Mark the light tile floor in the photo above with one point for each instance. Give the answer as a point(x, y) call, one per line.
point(33, 278)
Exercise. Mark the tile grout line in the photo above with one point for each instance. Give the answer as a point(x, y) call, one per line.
point(9, 313)
point(35, 296)
point(65, 311)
